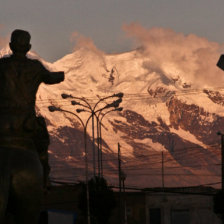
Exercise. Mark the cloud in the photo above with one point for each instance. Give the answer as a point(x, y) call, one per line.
point(82, 42)
point(193, 57)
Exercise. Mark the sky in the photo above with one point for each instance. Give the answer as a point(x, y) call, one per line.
point(52, 23)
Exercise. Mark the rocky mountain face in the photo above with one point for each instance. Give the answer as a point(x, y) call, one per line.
point(166, 124)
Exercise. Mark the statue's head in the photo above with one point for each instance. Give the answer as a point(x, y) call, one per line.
point(20, 42)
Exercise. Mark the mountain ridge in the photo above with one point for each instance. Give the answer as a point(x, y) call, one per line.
point(162, 113)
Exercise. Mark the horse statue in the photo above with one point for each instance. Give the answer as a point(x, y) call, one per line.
point(21, 132)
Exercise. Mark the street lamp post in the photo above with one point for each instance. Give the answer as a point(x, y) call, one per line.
point(86, 107)
point(84, 125)
point(99, 116)
point(85, 104)
point(99, 143)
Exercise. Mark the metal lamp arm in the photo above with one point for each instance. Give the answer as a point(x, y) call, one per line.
point(102, 99)
point(65, 96)
point(83, 105)
point(67, 111)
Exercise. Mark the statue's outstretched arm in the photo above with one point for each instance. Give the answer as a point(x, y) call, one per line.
point(53, 77)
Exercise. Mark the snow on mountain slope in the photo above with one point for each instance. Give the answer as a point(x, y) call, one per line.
point(162, 113)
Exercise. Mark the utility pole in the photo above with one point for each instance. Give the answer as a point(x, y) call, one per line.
point(163, 178)
point(124, 208)
point(122, 194)
point(119, 176)
point(222, 157)
point(162, 170)
point(222, 160)
point(221, 204)
point(220, 64)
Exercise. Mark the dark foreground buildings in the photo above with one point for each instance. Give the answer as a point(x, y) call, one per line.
point(193, 205)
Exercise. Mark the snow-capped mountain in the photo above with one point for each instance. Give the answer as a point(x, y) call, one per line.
point(169, 121)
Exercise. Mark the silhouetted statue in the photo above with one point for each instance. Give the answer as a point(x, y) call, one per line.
point(42, 140)
point(21, 173)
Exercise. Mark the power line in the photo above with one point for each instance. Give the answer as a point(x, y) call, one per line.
point(140, 95)
point(134, 96)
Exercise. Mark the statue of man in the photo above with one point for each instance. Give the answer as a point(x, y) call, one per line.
point(21, 173)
